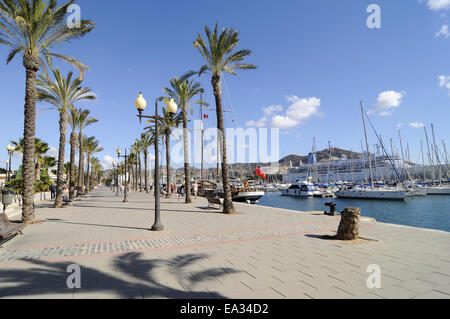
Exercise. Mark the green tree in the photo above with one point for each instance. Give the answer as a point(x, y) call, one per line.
point(183, 91)
point(33, 28)
point(91, 146)
point(221, 57)
point(84, 120)
point(63, 93)
point(167, 124)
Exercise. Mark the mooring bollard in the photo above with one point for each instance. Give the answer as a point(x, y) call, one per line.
point(349, 227)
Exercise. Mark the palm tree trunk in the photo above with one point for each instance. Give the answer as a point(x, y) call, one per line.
point(187, 174)
point(136, 173)
point(81, 165)
point(169, 190)
point(88, 180)
point(145, 170)
point(63, 121)
point(73, 141)
point(228, 207)
point(32, 65)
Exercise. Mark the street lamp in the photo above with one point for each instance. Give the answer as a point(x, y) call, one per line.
point(172, 108)
point(11, 150)
point(119, 151)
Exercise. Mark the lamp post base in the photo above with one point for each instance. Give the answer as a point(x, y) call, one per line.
point(157, 227)
point(125, 201)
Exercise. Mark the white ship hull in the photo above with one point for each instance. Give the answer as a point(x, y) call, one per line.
point(438, 191)
point(372, 194)
point(298, 193)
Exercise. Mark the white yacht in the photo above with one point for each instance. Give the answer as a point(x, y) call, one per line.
point(440, 190)
point(369, 193)
point(301, 189)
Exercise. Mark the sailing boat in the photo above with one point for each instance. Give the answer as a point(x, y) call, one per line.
point(371, 193)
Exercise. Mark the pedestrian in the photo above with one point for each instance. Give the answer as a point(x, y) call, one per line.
point(53, 191)
point(195, 189)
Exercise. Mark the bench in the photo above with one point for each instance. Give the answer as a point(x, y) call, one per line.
point(213, 201)
point(8, 230)
point(66, 201)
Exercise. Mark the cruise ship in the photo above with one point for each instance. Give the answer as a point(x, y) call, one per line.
point(346, 170)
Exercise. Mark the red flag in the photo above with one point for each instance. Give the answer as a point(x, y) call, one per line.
point(260, 172)
point(205, 116)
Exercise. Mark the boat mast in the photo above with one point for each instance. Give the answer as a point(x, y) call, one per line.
point(202, 174)
point(393, 155)
point(430, 157)
point(423, 162)
point(367, 144)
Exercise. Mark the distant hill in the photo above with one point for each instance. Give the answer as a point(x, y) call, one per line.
point(322, 156)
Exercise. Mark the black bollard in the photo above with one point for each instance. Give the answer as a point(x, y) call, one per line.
point(332, 209)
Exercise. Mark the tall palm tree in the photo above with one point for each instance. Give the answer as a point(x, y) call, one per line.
point(84, 120)
point(62, 94)
point(91, 146)
point(183, 91)
point(32, 28)
point(147, 140)
point(220, 57)
point(167, 124)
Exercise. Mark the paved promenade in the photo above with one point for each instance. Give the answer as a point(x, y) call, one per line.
point(260, 253)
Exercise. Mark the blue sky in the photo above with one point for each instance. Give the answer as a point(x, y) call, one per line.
point(316, 60)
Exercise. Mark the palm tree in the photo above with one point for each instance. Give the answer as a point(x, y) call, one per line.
point(62, 94)
point(220, 57)
point(48, 162)
point(40, 148)
point(167, 124)
point(74, 115)
point(147, 140)
point(182, 91)
point(91, 146)
point(83, 121)
point(32, 28)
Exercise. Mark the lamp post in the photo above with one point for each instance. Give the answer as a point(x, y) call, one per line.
point(10, 150)
point(119, 151)
point(172, 108)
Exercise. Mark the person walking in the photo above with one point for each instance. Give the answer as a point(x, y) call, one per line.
point(53, 191)
point(195, 189)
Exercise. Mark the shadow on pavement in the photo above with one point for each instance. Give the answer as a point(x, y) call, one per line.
point(45, 278)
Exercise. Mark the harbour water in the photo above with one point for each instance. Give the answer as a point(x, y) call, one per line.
point(432, 212)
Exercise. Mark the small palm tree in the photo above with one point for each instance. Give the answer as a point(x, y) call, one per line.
point(147, 140)
point(220, 57)
point(84, 120)
point(40, 148)
point(91, 146)
point(32, 28)
point(167, 124)
point(183, 91)
point(48, 162)
point(62, 94)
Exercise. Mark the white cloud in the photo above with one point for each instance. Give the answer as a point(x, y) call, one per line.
point(260, 123)
point(399, 125)
point(388, 100)
point(53, 152)
point(299, 110)
point(416, 125)
point(437, 5)
point(283, 122)
point(444, 82)
point(302, 109)
point(443, 32)
point(272, 109)
point(107, 162)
